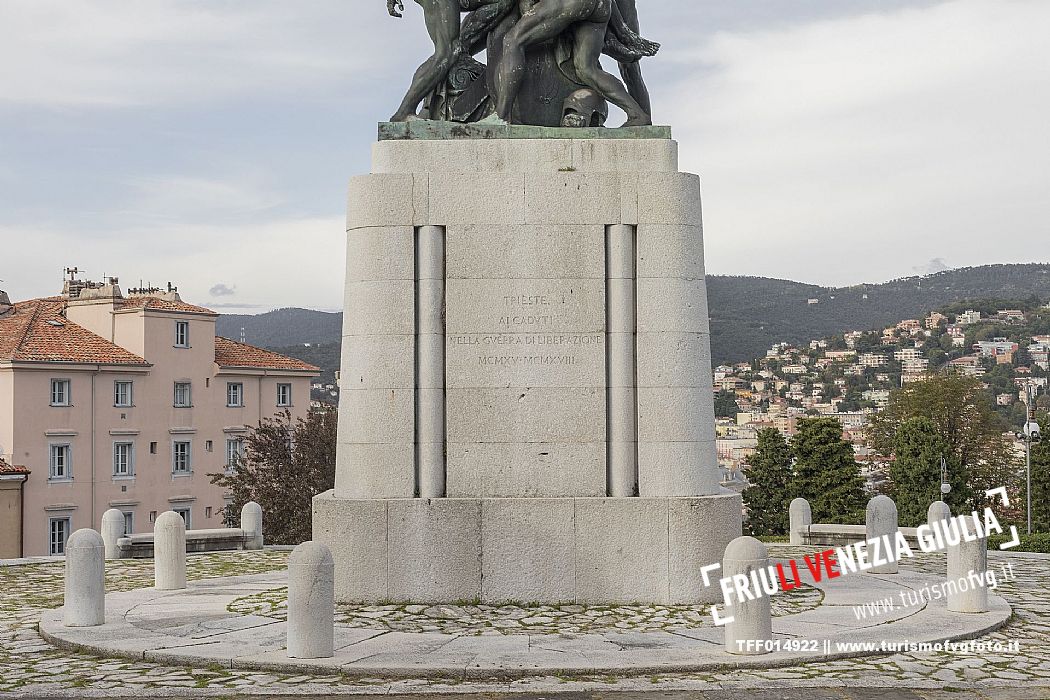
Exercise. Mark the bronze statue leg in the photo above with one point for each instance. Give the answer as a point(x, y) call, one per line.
point(590, 40)
point(484, 16)
point(543, 21)
point(632, 72)
point(442, 20)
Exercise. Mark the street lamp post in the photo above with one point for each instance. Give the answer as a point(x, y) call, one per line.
point(1031, 433)
point(1028, 470)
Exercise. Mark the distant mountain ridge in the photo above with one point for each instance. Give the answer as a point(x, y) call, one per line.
point(748, 314)
point(283, 327)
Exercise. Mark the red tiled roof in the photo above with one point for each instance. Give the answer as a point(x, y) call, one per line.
point(230, 353)
point(6, 468)
point(157, 304)
point(36, 331)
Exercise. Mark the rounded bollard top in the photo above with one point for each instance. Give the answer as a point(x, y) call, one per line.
point(883, 504)
point(746, 549)
point(311, 554)
point(113, 515)
point(85, 538)
point(169, 520)
point(938, 510)
point(251, 507)
point(799, 505)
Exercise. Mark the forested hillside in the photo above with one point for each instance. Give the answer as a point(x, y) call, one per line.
point(283, 327)
point(749, 314)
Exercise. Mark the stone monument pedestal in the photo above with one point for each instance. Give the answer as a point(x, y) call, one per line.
point(526, 404)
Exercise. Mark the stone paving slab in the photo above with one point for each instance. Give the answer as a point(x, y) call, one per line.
point(196, 626)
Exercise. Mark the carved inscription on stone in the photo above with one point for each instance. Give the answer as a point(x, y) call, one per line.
point(531, 342)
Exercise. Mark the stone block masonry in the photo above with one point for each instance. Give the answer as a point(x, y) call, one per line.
point(527, 409)
point(547, 550)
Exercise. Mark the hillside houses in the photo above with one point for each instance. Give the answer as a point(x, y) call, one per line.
point(851, 377)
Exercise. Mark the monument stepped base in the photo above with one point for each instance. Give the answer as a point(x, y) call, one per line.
point(542, 550)
point(526, 410)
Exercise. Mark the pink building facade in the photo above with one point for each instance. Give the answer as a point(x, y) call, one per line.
point(129, 403)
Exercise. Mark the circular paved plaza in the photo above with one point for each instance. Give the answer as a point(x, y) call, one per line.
point(29, 666)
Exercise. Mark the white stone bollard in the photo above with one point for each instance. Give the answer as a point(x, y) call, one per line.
point(938, 512)
point(169, 552)
point(800, 517)
point(85, 601)
point(112, 530)
point(881, 519)
point(967, 565)
point(752, 619)
point(311, 602)
point(252, 523)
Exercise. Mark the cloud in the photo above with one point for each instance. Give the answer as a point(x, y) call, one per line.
point(238, 307)
point(114, 53)
point(174, 139)
point(845, 150)
point(221, 290)
point(185, 198)
point(278, 262)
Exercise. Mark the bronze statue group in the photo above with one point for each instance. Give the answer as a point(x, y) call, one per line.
point(589, 28)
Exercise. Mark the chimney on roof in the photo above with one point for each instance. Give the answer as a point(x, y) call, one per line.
point(94, 292)
point(93, 305)
point(5, 303)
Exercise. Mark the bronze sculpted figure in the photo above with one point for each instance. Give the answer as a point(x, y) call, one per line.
point(544, 66)
point(588, 20)
point(631, 70)
point(451, 41)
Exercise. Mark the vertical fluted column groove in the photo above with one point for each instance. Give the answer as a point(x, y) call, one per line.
point(622, 435)
point(430, 361)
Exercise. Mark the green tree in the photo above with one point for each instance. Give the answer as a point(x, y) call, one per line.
point(937, 357)
point(826, 472)
point(967, 422)
point(915, 473)
point(725, 404)
point(283, 467)
point(769, 491)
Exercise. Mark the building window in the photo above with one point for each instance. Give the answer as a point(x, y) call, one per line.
point(182, 395)
point(60, 463)
point(60, 394)
point(234, 394)
point(284, 394)
point(129, 522)
point(122, 394)
point(123, 459)
point(153, 448)
point(180, 458)
point(186, 514)
point(207, 512)
point(59, 533)
point(234, 452)
point(182, 334)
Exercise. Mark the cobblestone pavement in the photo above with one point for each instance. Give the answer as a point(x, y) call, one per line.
point(30, 667)
point(478, 620)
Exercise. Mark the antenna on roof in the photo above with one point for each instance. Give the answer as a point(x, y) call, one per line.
point(72, 272)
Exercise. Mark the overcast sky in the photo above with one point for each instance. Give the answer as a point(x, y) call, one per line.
point(208, 142)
